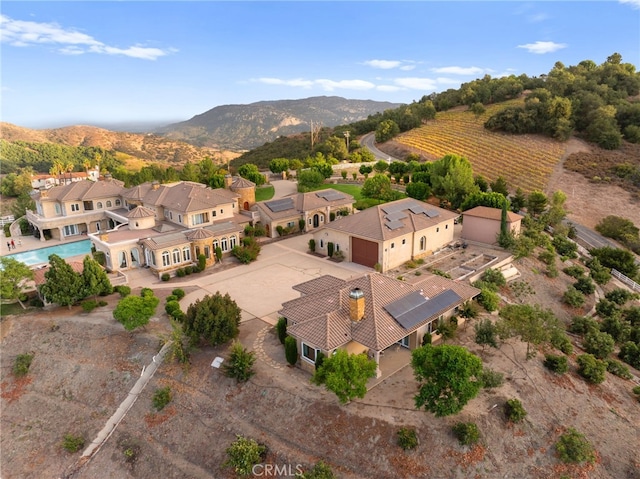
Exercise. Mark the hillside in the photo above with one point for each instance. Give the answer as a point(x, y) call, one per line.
point(136, 149)
point(243, 127)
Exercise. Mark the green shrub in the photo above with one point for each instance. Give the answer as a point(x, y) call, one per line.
point(320, 357)
point(561, 341)
point(170, 298)
point(426, 339)
point(146, 292)
point(585, 285)
point(102, 303)
point(620, 296)
point(636, 390)
point(330, 249)
point(291, 350)
point(312, 245)
point(592, 369)
point(171, 307)
point(165, 277)
point(491, 379)
point(495, 277)
point(189, 269)
point(122, 290)
point(161, 397)
point(599, 344)
point(71, 443)
point(243, 454)
point(240, 363)
point(281, 329)
point(573, 297)
point(407, 438)
point(320, 470)
point(178, 293)
point(574, 271)
point(467, 433)
point(557, 364)
point(7, 230)
point(22, 364)
point(572, 447)
point(181, 273)
point(630, 354)
point(583, 324)
point(202, 262)
point(618, 369)
point(514, 410)
point(89, 305)
point(488, 299)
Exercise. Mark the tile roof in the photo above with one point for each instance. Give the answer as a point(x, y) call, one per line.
point(492, 213)
point(321, 317)
point(199, 234)
point(322, 283)
point(140, 212)
point(82, 191)
point(302, 202)
point(374, 222)
point(241, 182)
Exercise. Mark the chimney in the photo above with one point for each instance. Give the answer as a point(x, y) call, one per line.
point(108, 177)
point(155, 185)
point(228, 181)
point(356, 304)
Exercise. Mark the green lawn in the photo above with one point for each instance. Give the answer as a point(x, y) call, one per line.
point(264, 193)
point(13, 308)
point(353, 190)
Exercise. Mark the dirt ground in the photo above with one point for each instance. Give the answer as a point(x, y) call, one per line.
point(85, 364)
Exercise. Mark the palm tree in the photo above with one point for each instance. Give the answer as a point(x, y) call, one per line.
point(57, 168)
point(68, 167)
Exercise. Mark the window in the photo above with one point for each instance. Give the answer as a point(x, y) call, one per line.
point(197, 251)
point(109, 204)
point(310, 221)
point(166, 260)
point(321, 243)
point(337, 247)
point(176, 256)
point(200, 218)
point(99, 205)
point(404, 241)
point(71, 230)
point(206, 252)
point(221, 211)
point(123, 259)
point(170, 215)
point(423, 243)
point(186, 253)
point(58, 210)
point(152, 255)
point(118, 202)
point(75, 207)
point(232, 242)
point(446, 227)
point(215, 244)
point(430, 327)
point(309, 353)
point(224, 245)
point(393, 245)
point(179, 218)
point(437, 230)
point(213, 213)
point(290, 224)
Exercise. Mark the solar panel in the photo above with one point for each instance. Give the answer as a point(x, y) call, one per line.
point(280, 205)
point(397, 215)
point(331, 195)
point(409, 311)
point(394, 225)
point(417, 209)
point(432, 213)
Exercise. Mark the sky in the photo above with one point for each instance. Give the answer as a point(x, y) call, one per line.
point(111, 62)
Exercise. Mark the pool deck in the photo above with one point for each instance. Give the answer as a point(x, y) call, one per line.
point(29, 243)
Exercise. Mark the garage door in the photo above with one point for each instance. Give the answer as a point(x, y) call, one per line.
point(364, 252)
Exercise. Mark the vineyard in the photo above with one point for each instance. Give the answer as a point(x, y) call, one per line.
point(525, 161)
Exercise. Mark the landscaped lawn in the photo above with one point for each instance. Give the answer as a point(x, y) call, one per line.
point(13, 308)
point(264, 193)
point(353, 190)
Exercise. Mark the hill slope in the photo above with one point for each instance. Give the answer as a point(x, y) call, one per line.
point(243, 127)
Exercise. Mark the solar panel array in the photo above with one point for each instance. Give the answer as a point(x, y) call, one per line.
point(431, 213)
point(280, 205)
point(397, 215)
point(394, 225)
point(414, 308)
point(330, 195)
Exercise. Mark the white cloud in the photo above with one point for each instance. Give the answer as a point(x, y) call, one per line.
point(383, 64)
point(634, 3)
point(459, 70)
point(540, 48)
point(407, 68)
point(415, 83)
point(325, 84)
point(19, 33)
point(389, 88)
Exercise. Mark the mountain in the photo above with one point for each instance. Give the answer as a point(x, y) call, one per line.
point(243, 127)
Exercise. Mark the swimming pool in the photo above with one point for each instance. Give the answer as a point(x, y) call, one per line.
point(41, 255)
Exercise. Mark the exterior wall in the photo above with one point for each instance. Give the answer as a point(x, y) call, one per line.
point(395, 253)
point(160, 268)
point(482, 230)
point(222, 212)
point(339, 239)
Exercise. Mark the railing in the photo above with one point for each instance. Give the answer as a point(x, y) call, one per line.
point(5, 220)
point(628, 281)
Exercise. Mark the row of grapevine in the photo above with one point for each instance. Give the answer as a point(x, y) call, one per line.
point(525, 161)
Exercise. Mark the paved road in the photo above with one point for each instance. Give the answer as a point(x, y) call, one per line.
point(593, 239)
point(368, 141)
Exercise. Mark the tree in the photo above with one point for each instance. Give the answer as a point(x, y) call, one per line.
point(386, 130)
point(486, 333)
point(63, 286)
point(622, 260)
point(381, 166)
point(536, 202)
point(518, 201)
point(573, 447)
point(599, 344)
point(213, 319)
point(531, 323)
point(291, 350)
point(243, 454)
point(135, 311)
point(452, 179)
point(418, 190)
point(240, 363)
point(364, 170)
point(556, 212)
point(278, 165)
point(379, 188)
point(251, 173)
point(345, 374)
point(448, 377)
point(95, 278)
point(500, 186)
point(309, 180)
point(447, 328)
point(490, 199)
point(13, 276)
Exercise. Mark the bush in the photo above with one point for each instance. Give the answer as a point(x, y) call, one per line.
point(636, 390)
point(243, 454)
point(592, 369)
point(606, 308)
point(189, 269)
point(165, 277)
point(514, 411)
point(599, 344)
point(573, 297)
point(161, 397)
point(561, 341)
point(71, 443)
point(89, 305)
point(555, 363)
point(583, 324)
point(291, 350)
point(620, 296)
point(22, 364)
point(170, 298)
point(240, 363)
point(630, 354)
point(488, 299)
point(312, 245)
point(146, 292)
point(585, 285)
point(122, 290)
point(618, 369)
point(467, 433)
point(181, 273)
point(202, 262)
point(572, 447)
point(102, 303)
point(281, 329)
point(178, 293)
point(320, 470)
point(407, 438)
point(495, 277)
point(574, 271)
point(171, 307)
point(426, 339)
point(491, 379)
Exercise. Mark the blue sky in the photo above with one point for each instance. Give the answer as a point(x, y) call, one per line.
point(86, 62)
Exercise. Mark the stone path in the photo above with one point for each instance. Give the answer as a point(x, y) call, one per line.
point(258, 347)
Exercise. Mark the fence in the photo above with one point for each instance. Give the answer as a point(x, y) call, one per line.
point(628, 281)
point(5, 220)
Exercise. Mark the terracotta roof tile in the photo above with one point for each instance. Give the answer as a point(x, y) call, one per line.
point(491, 213)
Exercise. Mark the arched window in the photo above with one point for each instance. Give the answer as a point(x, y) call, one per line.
point(123, 259)
point(109, 204)
point(224, 244)
point(186, 253)
point(423, 243)
point(166, 259)
point(99, 205)
point(215, 244)
point(321, 243)
point(207, 253)
point(232, 242)
point(176, 256)
point(118, 203)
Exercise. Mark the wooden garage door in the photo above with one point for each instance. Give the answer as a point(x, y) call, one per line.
point(364, 252)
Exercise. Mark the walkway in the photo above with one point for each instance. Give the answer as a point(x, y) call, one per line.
point(284, 188)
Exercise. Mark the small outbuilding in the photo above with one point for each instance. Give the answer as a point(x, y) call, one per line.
point(482, 224)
